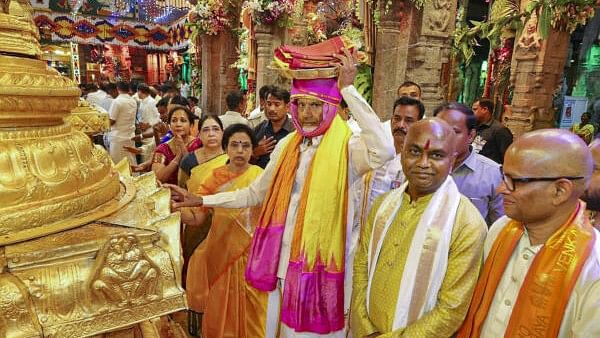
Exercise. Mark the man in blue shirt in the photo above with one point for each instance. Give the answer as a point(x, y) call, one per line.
point(276, 127)
point(475, 175)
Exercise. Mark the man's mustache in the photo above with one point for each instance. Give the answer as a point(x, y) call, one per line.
point(399, 130)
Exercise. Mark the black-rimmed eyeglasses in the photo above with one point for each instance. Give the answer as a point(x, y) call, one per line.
point(509, 181)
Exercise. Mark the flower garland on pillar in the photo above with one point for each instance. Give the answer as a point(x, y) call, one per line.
point(209, 17)
point(269, 12)
point(500, 77)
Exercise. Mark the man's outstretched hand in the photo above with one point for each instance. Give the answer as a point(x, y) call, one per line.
point(182, 198)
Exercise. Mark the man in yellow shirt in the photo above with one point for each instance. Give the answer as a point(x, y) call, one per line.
point(428, 220)
point(585, 129)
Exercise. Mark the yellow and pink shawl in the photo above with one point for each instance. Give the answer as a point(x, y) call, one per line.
point(313, 298)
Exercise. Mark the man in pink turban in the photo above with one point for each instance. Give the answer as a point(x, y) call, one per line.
point(301, 252)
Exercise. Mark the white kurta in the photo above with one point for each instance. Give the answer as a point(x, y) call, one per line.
point(583, 310)
point(150, 115)
point(367, 151)
point(122, 111)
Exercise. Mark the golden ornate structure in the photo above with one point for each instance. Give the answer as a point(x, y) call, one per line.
point(85, 249)
point(86, 118)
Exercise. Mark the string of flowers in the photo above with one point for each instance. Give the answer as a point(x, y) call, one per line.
point(209, 17)
point(242, 61)
point(269, 12)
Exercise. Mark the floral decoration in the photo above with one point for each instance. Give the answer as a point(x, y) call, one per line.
point(567, 17)
point(209, 17)
point(97, 31)
point(500, 76)
point(269, 12)
point(242, 61)
point(315, 29)
point(334, 18)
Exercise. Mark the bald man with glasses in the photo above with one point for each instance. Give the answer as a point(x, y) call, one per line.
point(541, 276)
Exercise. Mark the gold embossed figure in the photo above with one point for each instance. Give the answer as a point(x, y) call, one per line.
point(125, 275)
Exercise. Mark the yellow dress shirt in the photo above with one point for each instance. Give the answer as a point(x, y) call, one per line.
point(464, 262)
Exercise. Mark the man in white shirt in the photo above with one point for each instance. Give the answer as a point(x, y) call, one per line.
point(111, 94)
point(406, 111)
point(258, 115)
point(410, 89)
point(149, 117)
point(541, 276)
point(317, 127)
point(185, 90)
point(154, 92)
point(95, 95)
point(236, 105)
point(122, 125)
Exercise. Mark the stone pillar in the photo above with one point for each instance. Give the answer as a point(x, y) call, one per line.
point(413, 45)
point(391, 47)
point(429, 56)
point(536, 72)
point(218, 78)
point(264, 56)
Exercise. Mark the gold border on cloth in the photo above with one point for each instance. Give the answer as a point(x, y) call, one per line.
point(306, 74)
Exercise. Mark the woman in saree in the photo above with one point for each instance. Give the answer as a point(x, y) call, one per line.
point(215, 281)
point(205, 158)
point(200, 164)
point(167, 156)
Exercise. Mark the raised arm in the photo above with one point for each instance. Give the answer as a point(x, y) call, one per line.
point(372, 148)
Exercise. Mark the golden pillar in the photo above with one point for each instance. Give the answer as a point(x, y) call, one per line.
point(85, 249)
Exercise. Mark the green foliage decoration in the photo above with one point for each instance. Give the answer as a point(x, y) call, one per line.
point(507, 19)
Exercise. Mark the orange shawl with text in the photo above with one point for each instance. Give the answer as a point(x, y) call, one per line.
point(547, 287)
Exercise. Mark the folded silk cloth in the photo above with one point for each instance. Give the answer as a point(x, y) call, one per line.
point(313, 58)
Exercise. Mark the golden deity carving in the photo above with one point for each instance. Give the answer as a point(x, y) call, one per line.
point(85, 249)
point(124, 274)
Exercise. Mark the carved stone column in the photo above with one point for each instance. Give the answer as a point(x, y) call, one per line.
point(413, 45)
point(264, 56)
point(391, 47)
point(429, 56)
point(218, 78)
point(536, 71)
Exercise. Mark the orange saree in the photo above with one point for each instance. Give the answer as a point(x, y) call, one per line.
point(215, 281)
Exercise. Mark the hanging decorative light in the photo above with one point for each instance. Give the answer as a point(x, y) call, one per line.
point(162, 11)
point(123, 7)
point(75, 6)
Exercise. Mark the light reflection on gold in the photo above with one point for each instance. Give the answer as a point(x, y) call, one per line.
point(85, 248)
